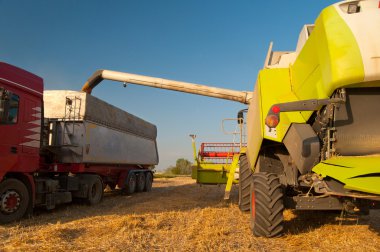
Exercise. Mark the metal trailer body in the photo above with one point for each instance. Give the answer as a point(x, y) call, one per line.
point(85, 129)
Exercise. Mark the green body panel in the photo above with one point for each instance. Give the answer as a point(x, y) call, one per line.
point(205, 173)
point(203, 176)
point(357, 173)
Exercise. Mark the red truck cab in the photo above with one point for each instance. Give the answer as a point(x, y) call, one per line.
point(21, 95)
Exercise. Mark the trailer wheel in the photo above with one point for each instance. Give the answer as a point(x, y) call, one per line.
point(95, 190)
point(266, 205)
point(140, 182)
point(14, 200)
point(148, 182)
point(130, 184)
point(245, 178)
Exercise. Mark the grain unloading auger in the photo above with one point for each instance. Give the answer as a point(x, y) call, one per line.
point(313, 135)
point(186, 87)
point(204, 171)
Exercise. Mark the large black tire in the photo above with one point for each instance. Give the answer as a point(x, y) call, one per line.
point(148, 182)
point(266, 207)
point(140, 183)
point(130, 184)
point(95, 190)
point(14, 200)
point(245, 178)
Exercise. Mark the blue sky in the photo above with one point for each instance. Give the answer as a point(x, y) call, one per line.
point(221, 43)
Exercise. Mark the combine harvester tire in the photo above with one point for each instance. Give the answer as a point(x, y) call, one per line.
point(266, 208)
point(245, 178)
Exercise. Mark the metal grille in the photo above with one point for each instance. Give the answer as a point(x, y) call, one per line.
point(218, 153)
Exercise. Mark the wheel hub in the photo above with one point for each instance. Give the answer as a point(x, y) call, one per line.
point(10, 201)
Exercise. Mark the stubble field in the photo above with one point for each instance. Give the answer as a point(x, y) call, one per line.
point(179, 215)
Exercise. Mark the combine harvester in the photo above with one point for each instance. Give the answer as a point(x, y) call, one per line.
point(313, 135)
point(218, 163)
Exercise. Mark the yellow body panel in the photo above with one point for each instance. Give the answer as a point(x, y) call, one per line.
point(275, 88)
point(329, 60)
point(255, 130)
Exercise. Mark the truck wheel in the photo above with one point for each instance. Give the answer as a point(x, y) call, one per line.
point(140, 182)
point(130, 184)
point(14, 200)
point(266, 205)
point(95, 190)
point(245, 178)
point(148, 182)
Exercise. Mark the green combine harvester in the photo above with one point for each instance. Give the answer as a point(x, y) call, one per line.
point(216, 164)
point(313, 134)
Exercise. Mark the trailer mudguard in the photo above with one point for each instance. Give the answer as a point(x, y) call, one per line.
point(358, 173)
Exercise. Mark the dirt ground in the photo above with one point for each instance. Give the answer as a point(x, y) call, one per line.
point(179, 215)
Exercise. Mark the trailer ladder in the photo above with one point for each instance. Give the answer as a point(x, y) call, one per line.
point(72, 114)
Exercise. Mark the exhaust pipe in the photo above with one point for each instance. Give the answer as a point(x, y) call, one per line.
point(185, 87)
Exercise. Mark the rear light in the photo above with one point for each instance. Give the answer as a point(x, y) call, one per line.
point(276, 109)
point(272, 121)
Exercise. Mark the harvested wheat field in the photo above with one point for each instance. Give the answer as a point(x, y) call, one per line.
point(179, 215)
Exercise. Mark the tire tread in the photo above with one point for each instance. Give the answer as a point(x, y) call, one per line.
point(245, 177)
point(268, 221)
